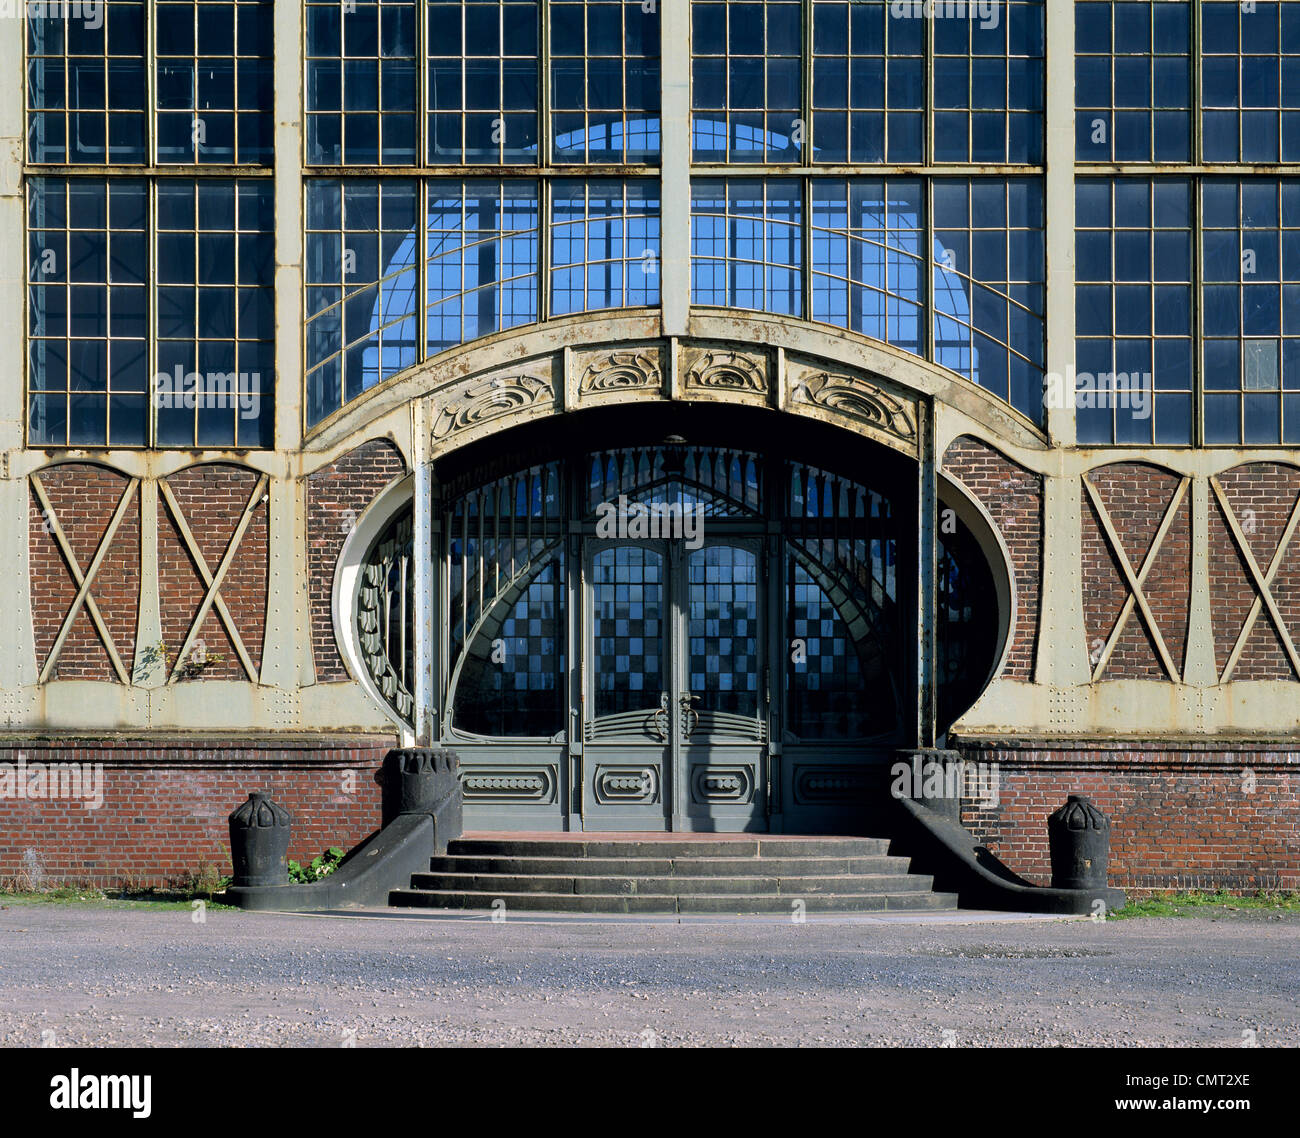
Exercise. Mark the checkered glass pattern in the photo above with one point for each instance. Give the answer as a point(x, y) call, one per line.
point(722, 628)
point(628, 628)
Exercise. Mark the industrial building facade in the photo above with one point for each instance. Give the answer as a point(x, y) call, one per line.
point(679, 408)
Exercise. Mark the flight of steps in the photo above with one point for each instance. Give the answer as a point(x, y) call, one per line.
point(724, 875)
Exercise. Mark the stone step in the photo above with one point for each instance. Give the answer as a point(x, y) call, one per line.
point(668, 867)
point(498, 884)
point(739, 846)
point(716, 903)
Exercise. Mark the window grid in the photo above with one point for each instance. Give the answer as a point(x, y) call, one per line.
point(481, 270)
point(215, 321)
point(989, 86)
point(1250, 313)
point(604, 245)
point(481, 259)
point(989, 272)
point(747, 244)
point(867, 269)
point(1250, 81)
point(746, 81)
point(868, 84)
point(1134, 256)
point(870, 73)
point(360, 94)
point(87, 88)
point(1133, 81)
point(173, 82)
point(88, 377)
point(213, 79)
point(362, 289)
point(483, 66)
point(604, 104)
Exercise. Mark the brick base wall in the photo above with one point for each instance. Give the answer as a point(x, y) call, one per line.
point(1183, 816)
point(165, 807)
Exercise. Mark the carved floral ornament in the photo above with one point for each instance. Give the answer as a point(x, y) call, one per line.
point(858, 399)
point(720, 372)
point(727, 371)
point(489, 399)
point(621, 371)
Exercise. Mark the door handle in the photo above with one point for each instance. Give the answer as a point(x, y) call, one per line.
point(690, 717)
point(659, 718)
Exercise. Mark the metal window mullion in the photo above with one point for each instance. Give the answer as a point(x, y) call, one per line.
point(927, 264)
point(927, 103)
point(545, 224)
point(421, 94)
point(151, 84)
point(545, 141)
point(1198, 113)
point(806, 257)
point(422, 267)
point(151, 318)
point(1198, 322)
point(805, 88)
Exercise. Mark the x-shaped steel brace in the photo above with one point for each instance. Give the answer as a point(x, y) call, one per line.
point(84, 579)
point(212, 598)
point(1263, 583)
point(1136, 581)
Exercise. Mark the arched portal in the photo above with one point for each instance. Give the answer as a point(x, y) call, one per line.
point(668, 617)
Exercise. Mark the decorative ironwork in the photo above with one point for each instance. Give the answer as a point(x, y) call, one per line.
point(385, 611)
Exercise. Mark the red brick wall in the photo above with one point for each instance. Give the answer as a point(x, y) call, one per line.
point(165, 807)
point(1201, 817)
point(212, 499)
point(1013, 497)
point(83, 498)
point(336, 496)
point(1261, 496)
point(1136, 496)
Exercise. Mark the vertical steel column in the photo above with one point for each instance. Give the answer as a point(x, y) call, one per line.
point(427, 729)
point(675, 166)
point(927, 510)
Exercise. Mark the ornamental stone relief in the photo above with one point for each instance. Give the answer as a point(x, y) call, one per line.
point(725, 371)
point(859, 399)
point(635, 369)
point(492, 398)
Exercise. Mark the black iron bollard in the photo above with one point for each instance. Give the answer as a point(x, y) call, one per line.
point(259, 841)
point(418, 780)
point(1079, 837)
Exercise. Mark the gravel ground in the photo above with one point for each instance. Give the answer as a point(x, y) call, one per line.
point(95, 976)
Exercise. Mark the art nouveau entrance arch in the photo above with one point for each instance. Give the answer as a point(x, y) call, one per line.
point(770, 404)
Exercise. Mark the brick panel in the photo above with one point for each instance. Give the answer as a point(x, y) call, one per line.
point(83, 497)
point(1136, 496)
point(165, 807)
point(1013, 496)
point(212, 499)
point(1187, 817)
point(336, 496)
point(1261, 496)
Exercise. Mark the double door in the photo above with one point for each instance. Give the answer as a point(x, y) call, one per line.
point(675, 699)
